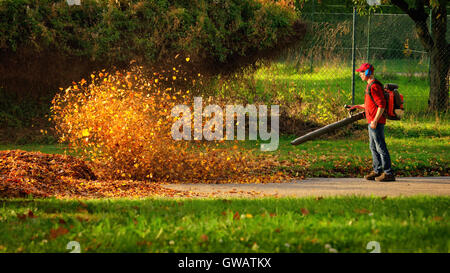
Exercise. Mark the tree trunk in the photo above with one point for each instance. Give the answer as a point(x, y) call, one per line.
point(435, 43)
point(440, 59)
point(439, 81)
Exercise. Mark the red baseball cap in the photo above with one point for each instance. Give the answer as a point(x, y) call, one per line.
point(364, 67)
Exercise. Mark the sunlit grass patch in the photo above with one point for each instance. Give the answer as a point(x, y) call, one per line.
point(346, 224)
point(336, 77)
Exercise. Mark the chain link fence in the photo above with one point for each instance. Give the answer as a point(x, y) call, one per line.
point(388, 41)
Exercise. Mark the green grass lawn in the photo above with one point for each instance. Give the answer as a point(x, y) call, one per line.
point(43, 148)
point(294, 80)
point(346, 224)
point(352, 158)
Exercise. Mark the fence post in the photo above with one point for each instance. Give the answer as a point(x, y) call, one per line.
point(353, 55)
point(368, 39)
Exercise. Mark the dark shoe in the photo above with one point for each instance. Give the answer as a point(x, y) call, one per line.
point(371, 175)
point(385, 177)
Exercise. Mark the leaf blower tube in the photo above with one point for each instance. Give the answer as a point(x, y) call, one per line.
point(329, 128)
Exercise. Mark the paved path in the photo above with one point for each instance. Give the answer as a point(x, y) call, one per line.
point(404, 186)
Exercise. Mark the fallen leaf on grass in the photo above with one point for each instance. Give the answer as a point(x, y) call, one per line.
point(82, 219)
point(54, 233)
point(236, 216)
point(24, 216)
point(255, 246)
point(204, 238)
point(304, 211)
point(144, 243)
point(31, 214)
point(80, 210)
point(362, 211)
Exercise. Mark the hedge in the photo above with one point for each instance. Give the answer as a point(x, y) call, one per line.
point(118, 31)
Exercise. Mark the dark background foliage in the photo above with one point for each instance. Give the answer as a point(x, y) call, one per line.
point(46, 44)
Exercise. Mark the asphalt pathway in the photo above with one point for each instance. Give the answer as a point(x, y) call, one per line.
point(403, 186)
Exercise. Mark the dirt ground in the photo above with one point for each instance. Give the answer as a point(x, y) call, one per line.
point(403, 186)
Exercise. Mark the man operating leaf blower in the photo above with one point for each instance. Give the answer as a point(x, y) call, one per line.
point(374, 106)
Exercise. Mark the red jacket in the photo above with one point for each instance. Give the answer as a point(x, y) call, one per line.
point(370, 107)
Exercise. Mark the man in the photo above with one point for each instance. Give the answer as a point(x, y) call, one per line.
point(374, 105)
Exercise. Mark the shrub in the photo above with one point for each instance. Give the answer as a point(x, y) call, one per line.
point(118, 31)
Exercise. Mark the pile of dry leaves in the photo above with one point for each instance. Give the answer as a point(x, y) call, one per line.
point(43, 175)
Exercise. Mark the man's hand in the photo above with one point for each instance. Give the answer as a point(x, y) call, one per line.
point(374, 122)
point(352, 107)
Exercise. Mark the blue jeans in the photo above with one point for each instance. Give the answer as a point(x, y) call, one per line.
point(380, 154)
